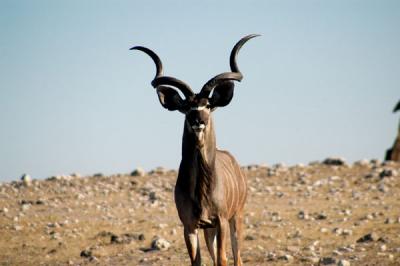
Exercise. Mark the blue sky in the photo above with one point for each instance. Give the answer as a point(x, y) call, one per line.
point(321, 81)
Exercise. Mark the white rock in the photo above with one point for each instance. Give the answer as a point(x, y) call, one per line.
point(160, 244)
point(343, 263)
point(26, 180)
point(138, 172)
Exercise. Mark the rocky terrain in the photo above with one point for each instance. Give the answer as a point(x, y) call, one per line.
point(324, 213)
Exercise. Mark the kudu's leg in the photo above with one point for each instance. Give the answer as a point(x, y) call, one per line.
point(222, 234)
point(236, 235)
point(209, 236)
point(192, 244)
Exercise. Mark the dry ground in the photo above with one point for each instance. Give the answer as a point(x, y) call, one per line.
point(300, 215)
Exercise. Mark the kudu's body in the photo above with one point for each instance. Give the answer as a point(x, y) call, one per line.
point(393, 154)
point(211, 189)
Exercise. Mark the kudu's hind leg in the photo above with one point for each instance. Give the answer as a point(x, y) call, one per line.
point(193, 247)
point(235, 224)
point(209, 236)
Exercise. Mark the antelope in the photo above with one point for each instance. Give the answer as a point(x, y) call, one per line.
point(211, 189)
point(393, 154)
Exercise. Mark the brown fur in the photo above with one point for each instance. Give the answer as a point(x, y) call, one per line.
point(210, 194)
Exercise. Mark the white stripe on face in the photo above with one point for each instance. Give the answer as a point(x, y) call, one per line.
point(198, 108)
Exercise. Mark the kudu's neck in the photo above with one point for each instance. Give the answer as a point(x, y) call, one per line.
point(198, 165)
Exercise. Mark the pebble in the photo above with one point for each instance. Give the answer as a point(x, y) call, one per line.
point(250, 238)
point(371, 237)
point(387, 173)
point(138, 172)
point(363, 162)
point(160, 244)
point(303, 215)
point(310, 259)
point(343, 263)
point(293, 249)
point(18, 227)
point(334, 161)
point(271, 256)
point(86, 253)
point(26, 180)
point(383, 188)
point(323, 230)
point(327, 261)
point(286, 257)
point(389, 221)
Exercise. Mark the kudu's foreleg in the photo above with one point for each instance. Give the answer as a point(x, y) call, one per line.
point(235, 224)
point(192, 244)
point(223, 229)
point(210, 237)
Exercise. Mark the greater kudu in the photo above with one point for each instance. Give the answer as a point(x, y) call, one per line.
point(393, 154)
point(211, 189)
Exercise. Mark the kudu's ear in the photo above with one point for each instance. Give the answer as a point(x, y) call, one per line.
point(222, 94)
point(169, 98)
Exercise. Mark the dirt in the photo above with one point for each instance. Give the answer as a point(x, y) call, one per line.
point(329, 213)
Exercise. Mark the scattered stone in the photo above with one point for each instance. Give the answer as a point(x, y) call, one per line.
point(363, 162)
point(323, 230)
point(293, 249)
point(303, 215)
point(343, 263)
point(271, 256)
point(334, 161)
point(387, 173)
point(286, 257)
point(93, 259)
point(138, 172)
point(25, 207)
point(153, 196)
point(18, 227)
point(321, 216)
point(334, 178)
point(86, 253)
point(327, 261)
point(347, 232)
point(26, 180)
point(383, 188)
point(159, 171)
point(371, 237)
point(310, 259)
point(250, 238)
point(338, 231)
point(389, 221)
point(160, 244)
point(125, 238)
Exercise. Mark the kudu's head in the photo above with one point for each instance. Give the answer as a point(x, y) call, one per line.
point(197, 107)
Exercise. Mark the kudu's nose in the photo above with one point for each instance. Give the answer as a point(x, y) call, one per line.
point(198, 125)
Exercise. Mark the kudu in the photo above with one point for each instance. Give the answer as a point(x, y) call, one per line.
point(393, 154)
point(211, 189)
